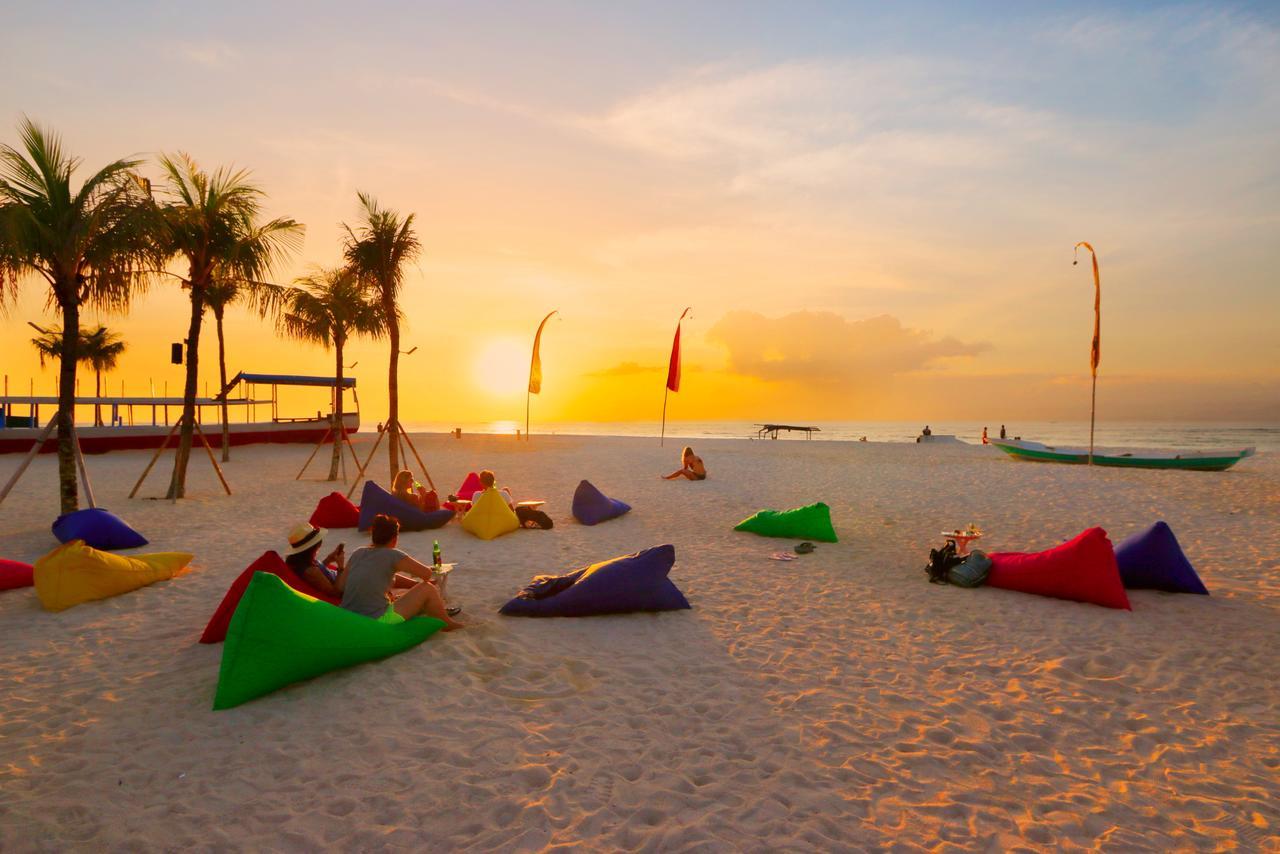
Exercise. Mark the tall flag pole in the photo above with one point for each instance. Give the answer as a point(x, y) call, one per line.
point(535, 373)
point(1095, 354)
point(673, 376)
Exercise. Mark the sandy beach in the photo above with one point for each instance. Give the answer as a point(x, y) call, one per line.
point(837, 701)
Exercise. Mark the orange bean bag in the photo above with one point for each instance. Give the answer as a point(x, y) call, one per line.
point(1083, 570)
point(272, 563)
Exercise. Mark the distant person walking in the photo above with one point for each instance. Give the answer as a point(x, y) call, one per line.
point(985, 440)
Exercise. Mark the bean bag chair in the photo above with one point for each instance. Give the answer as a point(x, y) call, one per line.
point(490, 516)
point(278, 636)
point(335, 511)
point(272, 564)
point(470, 486)
point(591, 506)
point(1153, 560)
point(75, 573)
point(1082, 570)
point(14, 575)
point(636, 582)
point(98, 528)
point(811, 522)
point(375, 500)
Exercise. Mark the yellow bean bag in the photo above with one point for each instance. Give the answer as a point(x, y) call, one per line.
point(489, 516)
point(74, 573)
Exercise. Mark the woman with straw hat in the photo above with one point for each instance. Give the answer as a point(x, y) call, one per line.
point(328, 576)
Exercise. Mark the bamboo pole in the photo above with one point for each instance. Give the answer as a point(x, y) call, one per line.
point(360, 473)
point(315, 450)
point(217, 468)
point(662, 440)
point(84, 472)
point(155, 457)
point(31, 455)
point(421, 465)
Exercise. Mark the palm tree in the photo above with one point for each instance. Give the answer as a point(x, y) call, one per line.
point(331, 305)
point(211, 222)
point(99, 349)
point(221, 292)
point(377, 251)
point(93, 246)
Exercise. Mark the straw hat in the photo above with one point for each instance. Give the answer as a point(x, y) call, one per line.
point(303, 537)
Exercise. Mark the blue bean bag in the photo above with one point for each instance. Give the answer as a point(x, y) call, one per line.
point(98, 528)
point(591, 506)
point(375, 500)
point(1153, 560)
point(636, 582)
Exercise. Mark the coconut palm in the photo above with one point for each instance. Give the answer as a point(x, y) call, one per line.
point(221, 292)
point(377, 250)
point(99, 349)
point(331, 306)
point(92, 245)
point(211, 221)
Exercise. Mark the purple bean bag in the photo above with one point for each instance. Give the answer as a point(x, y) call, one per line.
point(375, 500)
point(591, 506)
point(1153, 560)
point(98, 528)
point(636, 582)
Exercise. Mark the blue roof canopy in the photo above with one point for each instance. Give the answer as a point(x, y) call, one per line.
point(290, 379)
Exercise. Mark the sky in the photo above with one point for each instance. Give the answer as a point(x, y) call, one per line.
point(870, 208)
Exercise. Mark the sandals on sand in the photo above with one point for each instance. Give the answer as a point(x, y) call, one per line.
point(804, 548)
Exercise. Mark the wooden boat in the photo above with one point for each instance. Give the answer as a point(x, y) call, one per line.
point(134, 423)
point(1193, 460)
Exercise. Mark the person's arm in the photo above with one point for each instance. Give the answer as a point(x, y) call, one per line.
point(317, 579)
point(409, 566)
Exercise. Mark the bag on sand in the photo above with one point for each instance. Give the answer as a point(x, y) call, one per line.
point(971, 571)
point(940, 562)
point(532, 518)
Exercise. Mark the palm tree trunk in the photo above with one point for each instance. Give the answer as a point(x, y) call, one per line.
point(97, 392)
point(393, 386)
point(337, 413)
point(67, 403)
point(178, 485)
point(222, 373)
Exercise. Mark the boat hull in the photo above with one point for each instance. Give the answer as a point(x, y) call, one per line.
point(1185, 460)
point(100, 440)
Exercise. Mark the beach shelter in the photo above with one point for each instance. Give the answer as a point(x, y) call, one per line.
point(490, 516)
point(279, 636)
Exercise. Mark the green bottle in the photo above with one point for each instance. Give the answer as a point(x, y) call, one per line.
point(435, 554)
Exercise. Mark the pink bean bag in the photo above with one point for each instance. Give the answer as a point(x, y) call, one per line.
point(14, 575)
point(335, 511)
point(470, 486)
point(272, 563)
point(1083, 570)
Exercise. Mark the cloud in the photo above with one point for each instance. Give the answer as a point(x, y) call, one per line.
point(825, 348)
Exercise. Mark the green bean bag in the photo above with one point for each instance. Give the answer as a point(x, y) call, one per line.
point(278, 636)
point(811, 522)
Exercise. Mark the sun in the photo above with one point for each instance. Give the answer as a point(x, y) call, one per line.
point(502, 367)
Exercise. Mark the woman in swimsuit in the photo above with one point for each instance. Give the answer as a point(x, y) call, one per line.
point(691, 467)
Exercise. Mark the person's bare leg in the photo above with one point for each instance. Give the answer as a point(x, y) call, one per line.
point(676, 474)
point(424, 598)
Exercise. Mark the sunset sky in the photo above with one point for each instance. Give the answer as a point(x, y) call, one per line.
point(870, 210)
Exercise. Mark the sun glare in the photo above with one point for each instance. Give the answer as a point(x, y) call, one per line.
point(502, 367)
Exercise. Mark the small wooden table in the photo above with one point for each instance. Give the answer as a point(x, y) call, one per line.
point(963, 539)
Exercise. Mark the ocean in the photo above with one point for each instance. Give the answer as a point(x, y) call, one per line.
point(1117, 434)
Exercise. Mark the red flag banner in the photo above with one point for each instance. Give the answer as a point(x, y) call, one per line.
point(1095, 354)
point(535, 364)
point(673, 368)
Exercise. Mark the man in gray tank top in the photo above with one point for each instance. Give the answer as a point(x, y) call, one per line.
point(371, 573)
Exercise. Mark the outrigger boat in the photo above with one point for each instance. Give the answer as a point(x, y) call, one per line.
point(144, 422)
point(1193, 460)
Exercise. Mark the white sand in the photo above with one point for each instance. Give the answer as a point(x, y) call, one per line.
point(836, 701)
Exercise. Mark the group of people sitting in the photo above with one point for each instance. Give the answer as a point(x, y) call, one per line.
point(378, 581)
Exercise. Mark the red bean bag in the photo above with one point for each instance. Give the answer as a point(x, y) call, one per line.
point(335, 511)
point(14, 575)
point(470, 486)
point(1082, 570)
point(270, 562)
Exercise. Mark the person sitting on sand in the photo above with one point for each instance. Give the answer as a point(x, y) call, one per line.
point(690, 466)
point(370, 588)
point(329, 575)
point(409, 491)
point(489, 481)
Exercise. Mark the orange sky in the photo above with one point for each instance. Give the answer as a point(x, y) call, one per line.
point(876, 230)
